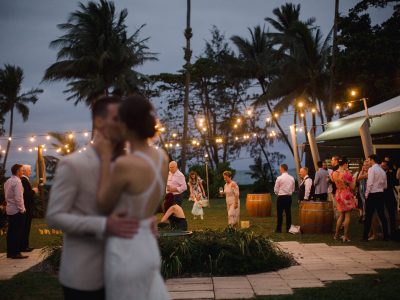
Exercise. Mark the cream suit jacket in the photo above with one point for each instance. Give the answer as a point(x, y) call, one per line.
point(73, 209)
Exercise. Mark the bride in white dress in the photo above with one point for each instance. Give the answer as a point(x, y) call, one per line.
point(133, 188)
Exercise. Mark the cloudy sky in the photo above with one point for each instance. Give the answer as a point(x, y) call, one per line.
point(27, 27)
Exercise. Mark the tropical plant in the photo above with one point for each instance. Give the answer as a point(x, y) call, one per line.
point(65, 143)
point(220, 252)
point(96, 56)
point(303, 74)
point(11, 78)
point(260, 62)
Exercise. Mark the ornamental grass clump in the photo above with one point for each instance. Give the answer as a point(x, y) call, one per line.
point(220, 252)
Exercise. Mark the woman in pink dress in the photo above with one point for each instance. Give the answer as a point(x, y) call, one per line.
point(344, 197)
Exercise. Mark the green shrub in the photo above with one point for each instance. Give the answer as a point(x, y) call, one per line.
point(210, 252)
point(220, 252)
point(52, 254)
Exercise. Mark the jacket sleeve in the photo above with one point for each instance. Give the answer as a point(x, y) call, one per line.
point(63, 194)
point(28, 192)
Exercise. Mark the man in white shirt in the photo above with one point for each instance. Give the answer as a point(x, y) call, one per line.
point(176, 183)
point(284, 188)
point(376, 184)
point(14, 191)
point(305, 185)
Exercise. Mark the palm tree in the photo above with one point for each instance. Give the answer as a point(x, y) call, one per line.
point(187, 67)
point(260, 62)
point(286, 17)
point(96, 55)
point(11, 78)
point(304, 73)
point(65, 144)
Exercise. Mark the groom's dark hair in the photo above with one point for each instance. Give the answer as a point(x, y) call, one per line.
point(99, 108)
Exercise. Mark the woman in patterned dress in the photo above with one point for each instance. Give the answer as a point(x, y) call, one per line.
point(196, 194)
point(344, 197)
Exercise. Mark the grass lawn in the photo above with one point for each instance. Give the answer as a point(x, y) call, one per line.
point(39, 285)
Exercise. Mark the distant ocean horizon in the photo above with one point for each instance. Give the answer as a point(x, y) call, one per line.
point(242, 178)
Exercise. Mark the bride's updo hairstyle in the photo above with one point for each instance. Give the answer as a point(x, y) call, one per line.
point(138, 115)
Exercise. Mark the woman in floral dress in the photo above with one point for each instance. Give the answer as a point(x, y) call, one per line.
point(197, 194)
point(344, 197)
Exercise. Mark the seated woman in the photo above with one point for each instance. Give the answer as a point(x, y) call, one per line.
point(174, 214)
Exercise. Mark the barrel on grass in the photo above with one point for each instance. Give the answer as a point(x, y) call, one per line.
point(258, 205)
point(316, 217)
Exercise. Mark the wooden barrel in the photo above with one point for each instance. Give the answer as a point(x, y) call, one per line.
point(258, 205)
point(316, 217)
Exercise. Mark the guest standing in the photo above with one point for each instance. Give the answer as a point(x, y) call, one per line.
point(284, 188)
point(29, 194)
point(361, 184)
point(344, 198)
point(374, 201)
point(231, 191)
point(321, 182)
point(196, 194)
point(305, 185)
point(176, 183)
point(390, 202)
point(13, 191)
point(332, 186)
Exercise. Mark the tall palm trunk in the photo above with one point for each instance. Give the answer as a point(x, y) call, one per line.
point(333, 64)
point(188, 55)
point(9, 136)
point(276, 121)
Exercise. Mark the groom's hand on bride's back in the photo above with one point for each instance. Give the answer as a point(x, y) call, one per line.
point(122, 226)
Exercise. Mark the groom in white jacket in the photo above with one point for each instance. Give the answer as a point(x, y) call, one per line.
point(73, 209)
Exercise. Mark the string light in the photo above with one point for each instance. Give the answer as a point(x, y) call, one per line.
point(239, 120)
point(32, 139)
point(174, 135)
point(70, 136)
point(276, 115)
point(268, 119)
point(300, 104)
point(10, 138)
point(302, 115)
point(249, 112)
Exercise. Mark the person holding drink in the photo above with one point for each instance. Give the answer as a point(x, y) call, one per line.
point(231, 192)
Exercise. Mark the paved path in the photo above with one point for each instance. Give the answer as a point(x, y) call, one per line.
point(10, 267)
point(318, 264)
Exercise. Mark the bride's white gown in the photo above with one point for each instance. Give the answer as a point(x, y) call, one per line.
point(132, 266)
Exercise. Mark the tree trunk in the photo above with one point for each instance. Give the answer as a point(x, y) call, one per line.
point(187, 67)
point(333, 64)
point(276, 121)
point(9, 136)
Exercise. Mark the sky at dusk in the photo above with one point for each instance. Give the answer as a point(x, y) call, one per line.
point(27, 27)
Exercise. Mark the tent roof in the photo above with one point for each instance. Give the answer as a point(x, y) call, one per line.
point(384, 118)
point(392, 105)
